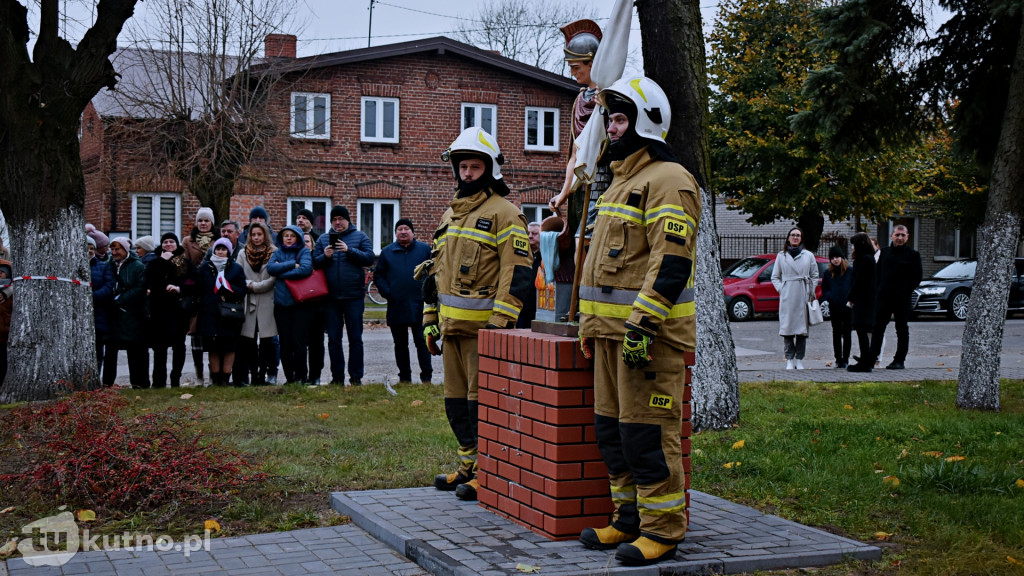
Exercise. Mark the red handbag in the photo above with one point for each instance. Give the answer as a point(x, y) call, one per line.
point(309, 288)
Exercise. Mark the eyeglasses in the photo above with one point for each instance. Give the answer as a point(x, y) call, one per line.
point(797, 234)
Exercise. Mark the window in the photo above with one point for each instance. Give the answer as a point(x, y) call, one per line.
point(542, 129)
point(377, 219)
point(536, 212)
point(320, 207)
point(951, 242)
point(380, 119)
point(484, 116)
point(155, 215)
point(311, 115)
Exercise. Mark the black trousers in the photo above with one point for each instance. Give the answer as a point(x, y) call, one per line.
point(899, 310)
point(138, 363)
point(841, 332)
point(293, 334)
point(399, 333)
point(259, 359)
point(160, 363)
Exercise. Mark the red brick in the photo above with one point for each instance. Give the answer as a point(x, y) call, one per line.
point(557, 506)
point(558, 434)
point(690, 358)
point(595, 469)
point(522, 425)
point(575, 488)
point(487, 431)
point(570, 379)
point(572, 452)
point(573, 526)
point(487, 498)
point(511, 370)
point(520, 494)
point(509, 404)
point(533, 446)
point(497, 451)
point(497, 484)
point(499, 384)
point(487, 398)
point(686, 446)
point(589, 434)
point(560, 398)
point(686, 430)
point(687, 411)
point(520, 458)
point(532, 410)
point(499, 418)
point(558, 471)
point(508, 472)
point(509, 438)
point(489, 365)
point(687, 393)
point(532, 481)
point(530, 517)
point(686, 465)
point(508, 506)
point(595, 506)
point(520, 390)
point(487, 464)
point(534, 374)
point(568, 416)
point(588, 396)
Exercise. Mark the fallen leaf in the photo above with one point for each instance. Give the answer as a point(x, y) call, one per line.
point(956, 458)
point(417, 402)
point(300, 406)
point(923, 429)
point(1013, 560)
point(526, 568)
point(323, 416)
point(882, 535)
point(876, 466)
point(138, 397)
point(1019, 483)
point(739, 444)
point(6, 510)
point(185, 396)
point(891, 481)
point(932, 453)
point(85, 515)
point(211, 526)
point(903, 454)
point(731, 464)
point(699, 452)
point(9, 548)
point(847, 406)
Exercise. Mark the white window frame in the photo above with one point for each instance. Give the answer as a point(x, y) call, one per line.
point(155, 222)
point(379, 119)
point(535, 209)
point(375, 239)
point(540, 146)
point(310, 133)
point(478, 114)
point(307, 203)
point(958, 237)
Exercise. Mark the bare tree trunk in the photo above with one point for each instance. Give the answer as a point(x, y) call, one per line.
point(983, 333)
point(673, 47)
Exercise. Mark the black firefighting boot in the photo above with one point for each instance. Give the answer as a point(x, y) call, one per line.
point(644, 551)
point(468, 490)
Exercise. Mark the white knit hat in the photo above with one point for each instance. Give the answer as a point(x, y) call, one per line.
point(204, 212)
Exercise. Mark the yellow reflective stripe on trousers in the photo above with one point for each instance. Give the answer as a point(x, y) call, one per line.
point(468, 456)
point(621, 211)
point(478, 235)
point(668, 210)
point(506, 309)
point(662, 505)
point(624, 494)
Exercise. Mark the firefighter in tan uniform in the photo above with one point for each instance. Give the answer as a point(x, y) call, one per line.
point(637, 319)
point(482, 270)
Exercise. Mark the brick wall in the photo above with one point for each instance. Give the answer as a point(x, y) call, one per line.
point(539, 462)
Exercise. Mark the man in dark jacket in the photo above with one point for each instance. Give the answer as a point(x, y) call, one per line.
point(127, 314)
point(393, 277)
point(342, 253)
point(898, 273)
point(102, 280)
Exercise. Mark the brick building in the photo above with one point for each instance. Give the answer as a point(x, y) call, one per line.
point(362, 128)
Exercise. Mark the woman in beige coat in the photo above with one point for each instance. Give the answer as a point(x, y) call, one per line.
point(259, 328)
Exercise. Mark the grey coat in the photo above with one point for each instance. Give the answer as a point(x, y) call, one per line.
point(259, 302)
point(795, 281)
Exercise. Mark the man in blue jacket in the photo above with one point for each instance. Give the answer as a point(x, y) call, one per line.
point(393, 277)
point(342, 253)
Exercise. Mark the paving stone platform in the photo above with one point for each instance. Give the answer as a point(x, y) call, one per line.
point(449, 537)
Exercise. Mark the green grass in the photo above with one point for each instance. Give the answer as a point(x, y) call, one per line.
point(813, 453)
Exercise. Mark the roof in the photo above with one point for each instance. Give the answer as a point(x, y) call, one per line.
point(438, 45)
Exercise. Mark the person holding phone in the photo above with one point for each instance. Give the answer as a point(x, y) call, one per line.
point(342, 254)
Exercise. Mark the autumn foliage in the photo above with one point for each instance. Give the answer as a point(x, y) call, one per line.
point(88, 448)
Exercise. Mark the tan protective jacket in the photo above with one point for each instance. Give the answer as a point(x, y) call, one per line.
point(639, 271)
point(483, 266)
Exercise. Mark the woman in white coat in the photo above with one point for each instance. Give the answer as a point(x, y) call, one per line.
point(259, 328)
point(795, 276)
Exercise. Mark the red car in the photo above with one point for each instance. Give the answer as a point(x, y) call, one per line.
point(749, 290)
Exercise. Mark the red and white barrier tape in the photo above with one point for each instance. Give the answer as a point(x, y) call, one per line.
point(75, 281)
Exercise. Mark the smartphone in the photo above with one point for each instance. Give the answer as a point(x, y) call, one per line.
point(334, 238)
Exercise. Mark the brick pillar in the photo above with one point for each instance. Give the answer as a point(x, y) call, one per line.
point(539, 462)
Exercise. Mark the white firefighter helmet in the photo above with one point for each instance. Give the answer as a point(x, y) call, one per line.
point(653, 113)
point(475, 142)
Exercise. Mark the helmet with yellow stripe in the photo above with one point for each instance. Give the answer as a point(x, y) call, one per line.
point(653, 111)
point(475, 143)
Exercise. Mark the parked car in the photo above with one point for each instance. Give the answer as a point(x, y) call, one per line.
point(948, 291)
point(749, 289)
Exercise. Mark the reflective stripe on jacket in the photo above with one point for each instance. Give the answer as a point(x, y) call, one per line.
point(639, 271)
point(483, 266)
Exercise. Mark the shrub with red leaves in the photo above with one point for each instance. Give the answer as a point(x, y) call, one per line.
point(86, 448)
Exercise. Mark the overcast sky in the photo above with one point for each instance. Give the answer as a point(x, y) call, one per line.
point(324, 26)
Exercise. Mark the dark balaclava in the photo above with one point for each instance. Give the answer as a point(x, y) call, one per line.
point(631, 141)
point(477, 185)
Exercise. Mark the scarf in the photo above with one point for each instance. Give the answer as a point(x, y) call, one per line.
point(257, 257)
point(204, 240)
point(794, 251)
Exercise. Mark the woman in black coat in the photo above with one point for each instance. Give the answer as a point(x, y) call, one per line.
point(835, 289)
point(171, 283)
point(861, 300)
point(220, 280)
